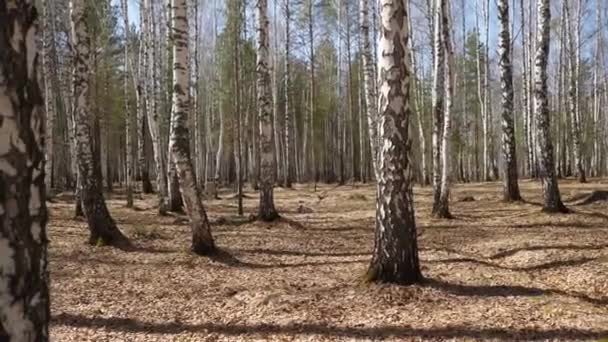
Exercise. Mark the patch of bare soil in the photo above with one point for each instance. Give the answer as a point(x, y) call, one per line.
point(496, 272)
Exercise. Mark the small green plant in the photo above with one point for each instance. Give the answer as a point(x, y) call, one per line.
point(100, 242)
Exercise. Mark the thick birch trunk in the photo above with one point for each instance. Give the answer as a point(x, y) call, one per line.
point(24, 277)
point(395, 254)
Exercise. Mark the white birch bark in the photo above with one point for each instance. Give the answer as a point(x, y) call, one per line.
point(103, 229)
point(551, 197)
point(202, 241)
point(510, 185)
point(24, 276)
point(267, 211)
point(443, 209)
point(395, 254)
point(370, 84)
point(128, 118)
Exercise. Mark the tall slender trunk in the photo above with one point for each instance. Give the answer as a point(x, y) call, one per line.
point(103, 229)
point(49, 104)
point(573, 107)
point(202, 241)
point(551, 197)
point(370, 84)
point(510, 185)
point(437, 99)
point(151, 105)
point(340, 106)
point(267, 211)
point(524, 91)
point(289, 150)
point(237, 113)
point(395, 254)
point(312, 93)
point(128, 118)
point(443, 209)
point(597, 157)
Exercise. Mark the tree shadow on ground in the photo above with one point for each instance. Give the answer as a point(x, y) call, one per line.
point(226, 258)
point(127, 325)
point(507, 291)
point(510, 252)
point(539, 267)
point(301, 253)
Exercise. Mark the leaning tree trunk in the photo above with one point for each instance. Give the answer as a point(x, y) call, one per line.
point(443, 208)
point(128, 120)
point(103, 229)
point(202, 241)
point(510, 185)
point(551, 197)
point(24, 277)
point(437, 99)
point(395, 255)
point(370, 84)
point(267, 211)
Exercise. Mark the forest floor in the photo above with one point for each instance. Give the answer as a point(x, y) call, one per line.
point(497, 271)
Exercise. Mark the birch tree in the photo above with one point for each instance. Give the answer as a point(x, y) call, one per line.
point(437, 101)
point(395, 254)
point(128, 120)
point(49, 103)
point(149, 87)
point(551, 197)
point(24, 277)
point(267, 211)
point(202, 241)
point(289, 132)
point(573, 107)
point(443, 208)
point(510, 185)
point(370, 84)
point(103, 229)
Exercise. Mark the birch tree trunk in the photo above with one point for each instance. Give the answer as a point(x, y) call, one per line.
point(443, 208)
point(437, 99)
point(573, 106)
point(312, 92)
point(289, 150)
point(525, 91)
point(267, 211)
point(202, 241)
point(103, 229)
point(49, 103)
point(24, 277)
point(237, 114)
point(150, 57)
point(510, 185)
point(395, 254)
point(128, 119)
point(370, 84)
point(551, 197)
point(596, 93)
